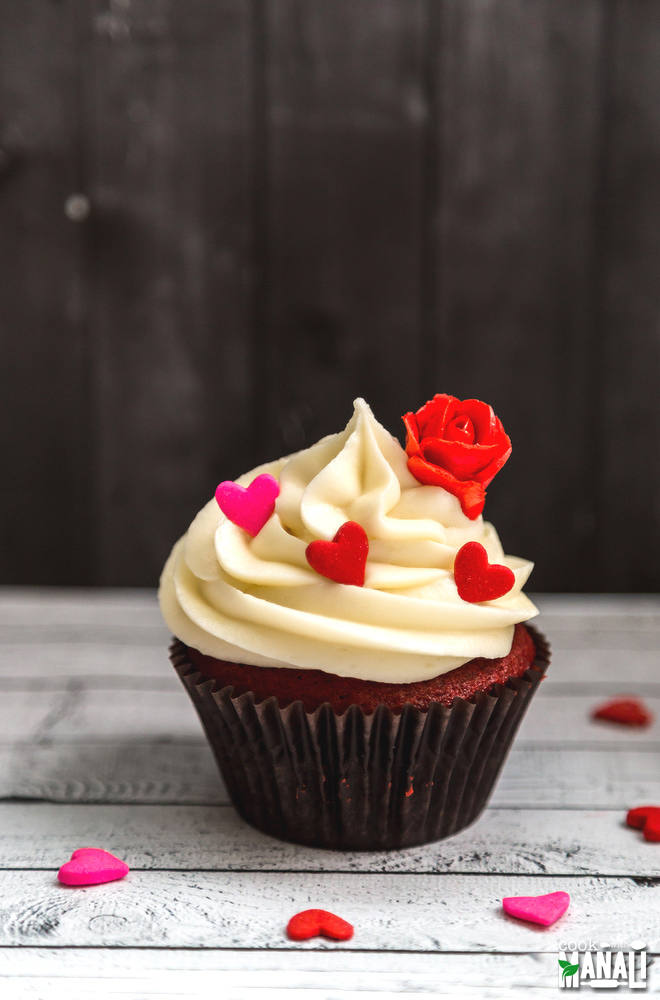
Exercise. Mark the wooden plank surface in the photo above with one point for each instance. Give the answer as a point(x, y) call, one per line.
point(545, 776)
point(92, 754)
point(526, 841)
point(169, 973)
point(86, 715)
point(415, 912)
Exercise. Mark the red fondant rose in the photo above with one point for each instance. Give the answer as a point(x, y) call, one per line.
point(458, 444)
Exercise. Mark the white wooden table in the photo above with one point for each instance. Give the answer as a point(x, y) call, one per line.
point(99, 746)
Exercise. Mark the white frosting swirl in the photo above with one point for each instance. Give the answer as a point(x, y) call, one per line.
point(257, 600)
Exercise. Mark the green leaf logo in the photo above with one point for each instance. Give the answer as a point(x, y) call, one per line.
point(567, 968)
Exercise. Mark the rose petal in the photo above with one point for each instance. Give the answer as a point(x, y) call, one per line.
point(460, 429)
point(481, 414)
point(412, 434)
point(465, 461)
point(470, 494)
point(432, 416)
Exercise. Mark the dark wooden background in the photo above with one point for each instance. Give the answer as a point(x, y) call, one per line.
point(220, 220)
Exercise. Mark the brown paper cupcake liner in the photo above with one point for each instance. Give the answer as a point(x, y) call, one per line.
point(360, 781)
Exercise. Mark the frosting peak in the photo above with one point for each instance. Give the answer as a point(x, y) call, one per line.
point(257, 600)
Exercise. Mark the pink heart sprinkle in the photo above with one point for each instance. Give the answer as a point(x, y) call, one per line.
point(544, 910)
point(249, 508)
point(92, 866)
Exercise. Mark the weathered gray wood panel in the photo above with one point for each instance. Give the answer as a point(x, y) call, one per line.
point(169, 974)
point(45, 511)
point(628, 364)
point(518, 118)
point(344, 143)
point(291, 203)
point(205, 905)
point(78, 712)
point(418, 913)
point(169, 154)
point(181, 772)
point(288, 975)
point(206, 838)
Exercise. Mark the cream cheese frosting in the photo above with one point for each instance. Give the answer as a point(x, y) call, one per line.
point(258, 601)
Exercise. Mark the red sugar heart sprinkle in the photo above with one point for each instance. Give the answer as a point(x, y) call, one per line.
point(478, 580)
point(342, 560)
point(311, 923)
point(626, 711)
point(646, 819)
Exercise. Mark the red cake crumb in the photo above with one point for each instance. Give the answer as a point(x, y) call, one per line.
point(314, 687)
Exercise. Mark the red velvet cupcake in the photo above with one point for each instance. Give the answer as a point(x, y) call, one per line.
point(350, 632)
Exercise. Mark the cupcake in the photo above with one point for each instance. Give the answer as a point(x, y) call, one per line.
point(351, 632)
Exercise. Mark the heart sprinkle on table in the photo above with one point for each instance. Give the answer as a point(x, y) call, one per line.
point(248, 507)
point(646, 819)
point(344, 559)
point(478, 580)
point(545, 910)
point(92, 866)
point(625, 711)
point(312, 923)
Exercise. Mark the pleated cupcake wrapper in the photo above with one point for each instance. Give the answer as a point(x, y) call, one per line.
point(360, 781)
